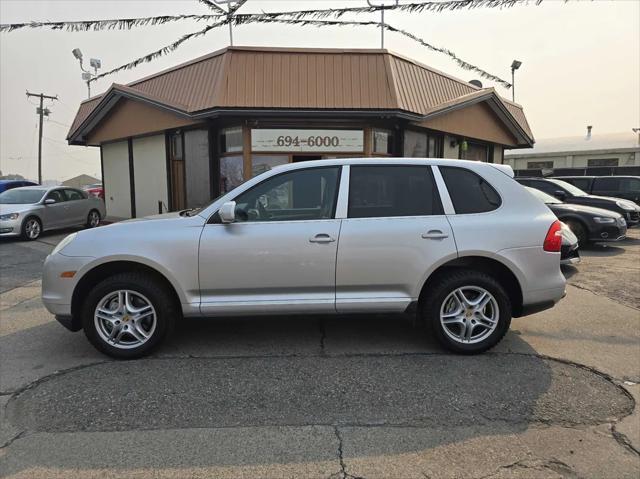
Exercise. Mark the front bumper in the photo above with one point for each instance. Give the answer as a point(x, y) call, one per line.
point(57, 291)
point(10, 227)
point(615, 232)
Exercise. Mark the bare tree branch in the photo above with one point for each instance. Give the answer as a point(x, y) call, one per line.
point(213, 6)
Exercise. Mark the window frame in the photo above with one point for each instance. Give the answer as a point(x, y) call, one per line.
point(215, 217)
point(436, 192)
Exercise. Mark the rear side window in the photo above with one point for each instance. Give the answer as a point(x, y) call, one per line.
point(582, 183)
point(386, 191)
point(469, 192)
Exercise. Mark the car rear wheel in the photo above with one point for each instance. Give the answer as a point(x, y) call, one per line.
point(579, 230)
point(31, 228)
point(468, 311)
point(93, 219)
point(127, 315)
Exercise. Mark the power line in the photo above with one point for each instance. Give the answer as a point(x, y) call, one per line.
point(41, 111)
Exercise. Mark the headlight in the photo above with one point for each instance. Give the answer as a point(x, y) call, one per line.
point(625, 205)
point(10, 216)
point(599, 219)
point(65, 242)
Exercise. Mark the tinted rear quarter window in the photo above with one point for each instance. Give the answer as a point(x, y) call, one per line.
point(469, 192)
point(387, 191)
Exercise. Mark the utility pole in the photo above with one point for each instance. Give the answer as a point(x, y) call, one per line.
point(41, 111)
point(232, 7)
point(382, 8)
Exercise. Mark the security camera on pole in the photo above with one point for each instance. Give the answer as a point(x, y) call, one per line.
point(87, 76)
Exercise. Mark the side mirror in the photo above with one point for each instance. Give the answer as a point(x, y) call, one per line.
point(561, 195)
point(227, 212)
point(49, 201)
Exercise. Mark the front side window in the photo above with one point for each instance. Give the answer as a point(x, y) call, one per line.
point(294, 196)
point(387, 191)
point(469, 192)
point(568, 187)
point(582, 183)
point(56, 195)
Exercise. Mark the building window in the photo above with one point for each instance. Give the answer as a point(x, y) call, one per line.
point(231, 173)
point(382, 142)
point(474, 152)
point(231, 140)
point(262, 163)
point(603, 162)
point(419, 144)
point(539, 165)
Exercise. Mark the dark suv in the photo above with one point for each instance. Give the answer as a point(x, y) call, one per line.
point(571, 194)
point(627, 187)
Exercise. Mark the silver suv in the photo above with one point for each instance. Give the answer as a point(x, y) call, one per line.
point(459, 243)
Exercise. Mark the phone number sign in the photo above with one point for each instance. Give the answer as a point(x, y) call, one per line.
point(326, 141)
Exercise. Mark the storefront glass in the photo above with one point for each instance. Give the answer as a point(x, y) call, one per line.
point(231, 173)
point(231, 140)
point(382, 142)
point(476, 152)
point(262, 163)
point(415, 144)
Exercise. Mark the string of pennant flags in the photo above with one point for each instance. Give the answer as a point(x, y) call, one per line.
point(330, 17)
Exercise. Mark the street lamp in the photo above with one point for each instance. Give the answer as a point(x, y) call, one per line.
point(87, 76)
point(514, 66)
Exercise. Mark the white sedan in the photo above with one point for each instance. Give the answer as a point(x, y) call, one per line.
point(30, 210)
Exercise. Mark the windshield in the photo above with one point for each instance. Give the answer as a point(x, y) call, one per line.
point(19, 196)
point(541, 195)
point(574, 190)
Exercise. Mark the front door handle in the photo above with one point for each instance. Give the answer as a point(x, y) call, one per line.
point(322, 238)
point(435, 234)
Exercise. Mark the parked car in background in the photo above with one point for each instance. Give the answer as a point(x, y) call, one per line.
point(569, 252)
point(329, 236)
point(587, 223)
point(96, 190)
point(30, 210)
point(625, 187)
point(10, 184)
point(568, 193)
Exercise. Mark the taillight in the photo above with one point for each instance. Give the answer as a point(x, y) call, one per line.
point(553, 240)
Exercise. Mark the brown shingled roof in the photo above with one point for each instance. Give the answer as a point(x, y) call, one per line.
point(310, 79)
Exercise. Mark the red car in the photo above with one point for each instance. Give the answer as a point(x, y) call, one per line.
point(95, 190)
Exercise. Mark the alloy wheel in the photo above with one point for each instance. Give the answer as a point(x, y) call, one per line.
point(469, 314)
point(94, 219)
point(32, 228)
point(125, 319)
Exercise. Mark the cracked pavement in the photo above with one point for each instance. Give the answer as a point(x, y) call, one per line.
point(327, 397)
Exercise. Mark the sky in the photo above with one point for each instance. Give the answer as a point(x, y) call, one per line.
point(580, 61)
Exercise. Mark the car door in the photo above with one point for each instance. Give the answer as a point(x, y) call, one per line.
point(77, 210)
point(394, 233)
point(55, 214)
point(279, 254)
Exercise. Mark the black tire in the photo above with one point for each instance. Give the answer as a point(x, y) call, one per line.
point(89, 223)
point(158, 295)
point(25, 228)
point(579, 230)
point(447, 283)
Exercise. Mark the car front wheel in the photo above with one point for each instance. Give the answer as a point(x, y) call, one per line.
point(31, 229)
point(468, 311)
point(127, 315)
point(93, 219)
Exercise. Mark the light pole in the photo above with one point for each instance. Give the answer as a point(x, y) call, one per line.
point(87, 76)
point(515, 64)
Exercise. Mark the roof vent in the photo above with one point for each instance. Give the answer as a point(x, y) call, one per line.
point(477, 83)
point(589, 132)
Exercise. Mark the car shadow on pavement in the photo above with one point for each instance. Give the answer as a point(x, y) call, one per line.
point(363, 372)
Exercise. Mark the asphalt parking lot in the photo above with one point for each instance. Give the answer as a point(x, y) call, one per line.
point(328, 397)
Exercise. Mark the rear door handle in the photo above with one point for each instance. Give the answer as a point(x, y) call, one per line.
point(322, 238)
point(434, 234)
